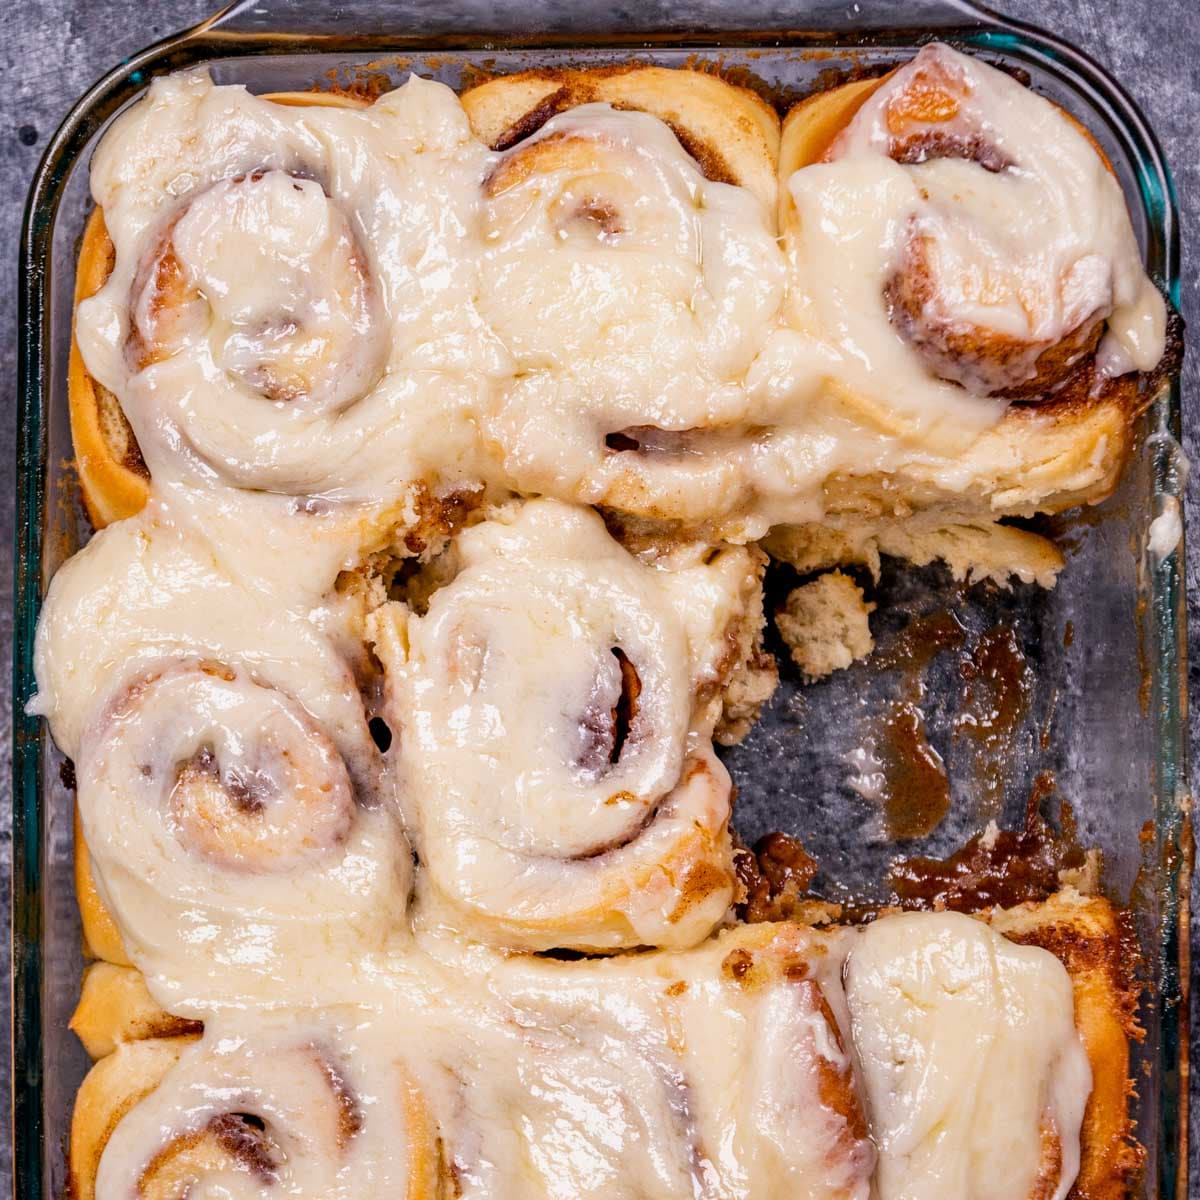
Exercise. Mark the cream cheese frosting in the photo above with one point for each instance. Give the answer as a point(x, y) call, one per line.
point(555, 758)
point(337, 301)
point(320, 318)
point(289, 305)
point(543, 1079)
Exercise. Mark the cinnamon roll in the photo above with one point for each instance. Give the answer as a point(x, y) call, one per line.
point(961, 254)
point(113, 476)
point(269, 318)
point(274, 1105)
point(631, 265)
point(218, 812)
point(599, 1078)
point(554, 708)
point(975, 1075)
point(1087, 936)
point(108, 1093)
point(998, 250)
point(524, 1076)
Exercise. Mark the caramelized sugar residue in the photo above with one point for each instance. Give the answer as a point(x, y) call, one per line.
point(914, 791)
point(903, 772)
point(906, 776)
point(996, 698)
point(775, 877)
point(996, 867)
point(919, 642)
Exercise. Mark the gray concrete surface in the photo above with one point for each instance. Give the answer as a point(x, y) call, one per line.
point(51, 50)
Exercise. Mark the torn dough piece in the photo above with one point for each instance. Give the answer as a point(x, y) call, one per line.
point(972, 551)
point(825, 625)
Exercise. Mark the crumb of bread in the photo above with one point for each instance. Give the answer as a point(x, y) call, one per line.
point(750, 686)
point(825, 625)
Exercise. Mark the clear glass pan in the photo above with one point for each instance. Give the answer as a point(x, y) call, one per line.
point(1113, 696)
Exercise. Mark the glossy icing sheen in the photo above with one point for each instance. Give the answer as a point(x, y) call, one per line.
point(229, 833)
point(290, 302)
point(320, 321)
point(546, 1079)
point(974, 1073)
point(333, 301)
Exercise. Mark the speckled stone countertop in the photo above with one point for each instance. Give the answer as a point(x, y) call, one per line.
point(51, 50)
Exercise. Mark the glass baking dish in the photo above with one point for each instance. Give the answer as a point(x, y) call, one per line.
point(1106, 710)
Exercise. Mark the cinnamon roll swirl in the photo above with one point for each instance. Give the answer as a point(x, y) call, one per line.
point(113, 476)
point(962, 255)
point(631, 283)
point(286, 1106)
point(554, 708)
point(203, 582)
point(1003, 308)
point(731, 133)
point(218, 812)
point(267, 318)
point(1000, 246)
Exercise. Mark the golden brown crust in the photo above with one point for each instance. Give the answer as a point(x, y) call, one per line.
point(910, 294)
point(113, 478)
point(112, 473)
point(101, 937)
point(731, 133)
point(111, 1088)
point(115, 1007)
point(1084, 933)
